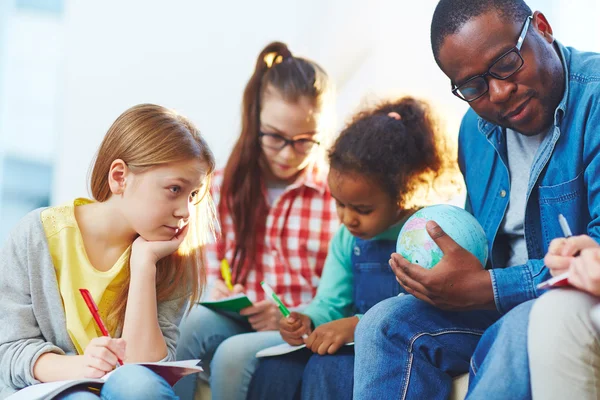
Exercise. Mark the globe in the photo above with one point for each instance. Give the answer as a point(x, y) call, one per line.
point(416, 246)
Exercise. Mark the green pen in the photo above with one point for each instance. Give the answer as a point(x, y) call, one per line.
point(271, 294)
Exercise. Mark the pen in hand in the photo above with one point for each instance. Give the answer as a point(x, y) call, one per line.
point(562, 279)
point(273, 297)
point(226, 273)
point(91, 305)
point(564, 226)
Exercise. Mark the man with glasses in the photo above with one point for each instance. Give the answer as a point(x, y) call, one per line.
point(529, 150)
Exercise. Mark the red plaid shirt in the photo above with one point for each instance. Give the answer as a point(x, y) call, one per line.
point(299, 226)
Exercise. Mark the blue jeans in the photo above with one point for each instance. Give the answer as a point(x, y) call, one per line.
point(227, 347)
point(304, 375)
point(311, 376)
point(505, 372)
point(408, 349)
point(130, 382)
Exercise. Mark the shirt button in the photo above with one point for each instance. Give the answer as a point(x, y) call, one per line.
point(503, 193)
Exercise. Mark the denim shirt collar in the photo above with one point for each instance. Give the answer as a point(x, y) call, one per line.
point(486, 127)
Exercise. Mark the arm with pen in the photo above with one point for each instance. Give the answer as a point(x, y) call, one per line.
point(573, 260)
point(301, 328)
point(223, 288)
point(227, 296)
point(327, 323)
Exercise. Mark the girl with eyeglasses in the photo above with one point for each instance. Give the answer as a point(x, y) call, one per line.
point(276, 215)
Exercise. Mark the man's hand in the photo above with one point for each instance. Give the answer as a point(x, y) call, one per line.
point(457, 282)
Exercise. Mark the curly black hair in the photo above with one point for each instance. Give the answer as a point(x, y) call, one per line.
point(402, 153)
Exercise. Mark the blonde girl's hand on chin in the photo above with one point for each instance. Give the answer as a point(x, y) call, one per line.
point(145, 253)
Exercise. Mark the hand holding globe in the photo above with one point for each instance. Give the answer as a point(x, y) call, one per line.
point(458, 281)
point(416, 246)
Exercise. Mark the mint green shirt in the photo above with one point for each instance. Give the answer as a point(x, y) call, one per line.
point(336, 288)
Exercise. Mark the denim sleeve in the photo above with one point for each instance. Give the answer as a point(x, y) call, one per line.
point(590, 174)
point(517, 284)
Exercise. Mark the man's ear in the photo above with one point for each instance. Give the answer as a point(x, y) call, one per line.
point(541, 24)
point(117, 176)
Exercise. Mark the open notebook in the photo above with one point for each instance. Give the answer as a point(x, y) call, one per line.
point(283, 349)
point(170, 371)
point(234, 303)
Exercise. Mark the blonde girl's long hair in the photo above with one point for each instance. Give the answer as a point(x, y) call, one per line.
point(147, 136)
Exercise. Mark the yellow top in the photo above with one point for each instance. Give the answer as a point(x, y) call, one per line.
point(74, 271)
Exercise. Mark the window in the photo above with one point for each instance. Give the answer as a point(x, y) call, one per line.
point(24, 186)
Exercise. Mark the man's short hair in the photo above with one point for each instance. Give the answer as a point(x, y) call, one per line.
point(451, 15)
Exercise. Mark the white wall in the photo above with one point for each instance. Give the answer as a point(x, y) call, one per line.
point(398, 62)
point(196, 56)
point(30, 85)
point(574, 22)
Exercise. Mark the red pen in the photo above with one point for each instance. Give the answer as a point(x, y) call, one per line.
point(91, 304)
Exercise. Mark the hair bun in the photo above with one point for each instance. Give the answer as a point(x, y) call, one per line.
point(276, 53)
point(410, 109)
point(395, 115)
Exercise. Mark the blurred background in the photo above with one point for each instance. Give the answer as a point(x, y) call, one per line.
point(68, 68)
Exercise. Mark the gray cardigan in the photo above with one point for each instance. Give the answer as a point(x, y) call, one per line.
point(32, 317)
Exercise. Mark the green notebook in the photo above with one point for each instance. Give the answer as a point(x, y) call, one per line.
point(233, 303)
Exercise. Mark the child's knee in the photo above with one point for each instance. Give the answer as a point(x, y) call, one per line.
point(382, 320)
point(201, 332)
point(563, 313)
point(373, 322)
point(232, 353)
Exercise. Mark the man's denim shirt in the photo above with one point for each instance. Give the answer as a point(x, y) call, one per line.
point(564, 179)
